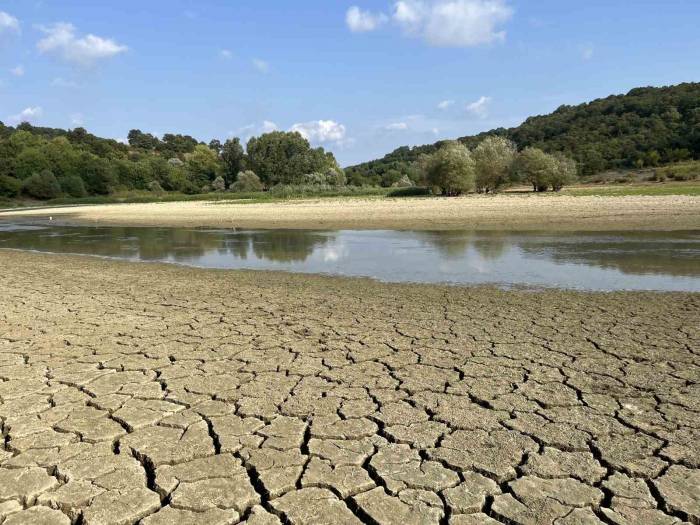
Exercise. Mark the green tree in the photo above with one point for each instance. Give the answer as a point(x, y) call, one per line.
point(42, 186)
point(565, 172)
point(202, 165)
point(9, 186)
point(493, 162)
point(451, 170)
point(233, 158)
point(247, 181)
point(284, 157)
point(535, 167)
point(73, 186)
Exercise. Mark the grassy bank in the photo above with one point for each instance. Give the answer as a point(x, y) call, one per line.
point(650, 189)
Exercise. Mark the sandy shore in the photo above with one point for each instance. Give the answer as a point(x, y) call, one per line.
point(175, 395)
point(520, 212)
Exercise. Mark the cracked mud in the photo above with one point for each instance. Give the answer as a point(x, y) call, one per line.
point(164, 395)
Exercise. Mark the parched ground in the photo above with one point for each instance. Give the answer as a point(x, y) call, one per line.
point(503, 211)
point(179, 396)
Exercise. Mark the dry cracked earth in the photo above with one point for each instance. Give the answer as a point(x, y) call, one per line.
point(162, 395)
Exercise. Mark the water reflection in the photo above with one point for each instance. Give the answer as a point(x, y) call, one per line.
point(600, 261)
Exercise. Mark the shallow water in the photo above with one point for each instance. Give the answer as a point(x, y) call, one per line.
point(578, 260)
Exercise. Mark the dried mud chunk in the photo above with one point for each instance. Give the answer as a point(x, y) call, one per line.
point(344, 451)
point(25, 484)
point(680, 489)
point(346, 480)
point(401, 413)
point(283, 433)
point(631, 453)
point(232, 431)
point(496, 453)
point(421, 435)
point(470, 496)
point(314, 506)
point(401, 467)
point(121, 507)
point(221, 466)
point(533, 491)
point(472, 519)
point(163, 445)
point(558, 435)
point(332, 427)
point(171, 516)
point(555, 463)
point(278, 470)
point(72, 497)
point(392, 510)
point(223, 493)
point(259, 516)
point(38, 516)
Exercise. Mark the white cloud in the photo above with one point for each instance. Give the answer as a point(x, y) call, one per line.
point(479, 108)
point(18, 71)
point(453, 23)
point(63, 83)
point(226, 54)
point(30, 114)
point(360, 21)
point(61, 40)
point(268, 126)
point(396, 126)
point(320, 131)
point(445, 104)
point(261, 65)
point(77, 119)
point(8, 23)
point(587, 52)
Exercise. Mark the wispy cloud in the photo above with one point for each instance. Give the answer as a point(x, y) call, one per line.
point(479, 108)
point(445, 104)
point(30, 114)
point(62, 41)
point(261, 65)
point(63, 83)
point(18, 71)
point(8, 23)
point(396, 126)
point(587, 52)
point(359, 21)
point(226, 54)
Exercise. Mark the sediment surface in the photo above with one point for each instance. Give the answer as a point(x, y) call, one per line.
point(166, 395)
point(503, 211)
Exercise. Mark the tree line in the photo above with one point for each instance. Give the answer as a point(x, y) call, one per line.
point(45, 163)
point(647, 127)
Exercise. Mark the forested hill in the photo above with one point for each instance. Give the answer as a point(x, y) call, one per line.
point(646, 127)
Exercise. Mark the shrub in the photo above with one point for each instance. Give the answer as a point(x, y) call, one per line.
point(219, 184)
point(413, 191)
point(493, 160)
point(313, 179)
point(246, 181)
point(42, 186)
point(403, 182)
point(73, 186)
point(9, 186)
point(336, 177)
point(155, 187)
point(451, 170)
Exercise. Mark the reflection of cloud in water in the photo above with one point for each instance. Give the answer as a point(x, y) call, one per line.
point(335, 253)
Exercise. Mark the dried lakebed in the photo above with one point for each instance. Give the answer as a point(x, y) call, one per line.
point(169, 395)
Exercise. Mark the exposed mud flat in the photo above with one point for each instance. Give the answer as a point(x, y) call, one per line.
point(172, 395)
point(503, 211)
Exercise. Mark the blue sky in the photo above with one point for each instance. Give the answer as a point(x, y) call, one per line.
point(359, 78)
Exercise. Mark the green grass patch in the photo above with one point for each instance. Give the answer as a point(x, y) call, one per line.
point(681, 188)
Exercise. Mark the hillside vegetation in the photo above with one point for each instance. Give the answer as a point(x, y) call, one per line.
point(647, 127)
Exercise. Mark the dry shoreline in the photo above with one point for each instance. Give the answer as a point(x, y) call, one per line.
point(513, 212)
point(178, 395)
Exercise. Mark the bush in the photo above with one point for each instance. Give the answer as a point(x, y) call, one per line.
point(336, 177)
point(155, 187)
point(246, 181)
point(42, 186)
point(313, 179)
point(403, 182)
point(9, 186)
point(73, 186)
point(451, 170)
point(413, 191)
point(219, 184)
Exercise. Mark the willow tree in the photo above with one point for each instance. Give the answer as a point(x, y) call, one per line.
point(493, 162)
point(451, 170)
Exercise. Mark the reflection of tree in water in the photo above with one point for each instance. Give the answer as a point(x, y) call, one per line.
point(643, 253)
point(454, 244)
point(168, 243)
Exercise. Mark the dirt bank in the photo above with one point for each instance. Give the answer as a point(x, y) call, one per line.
point(508, 211)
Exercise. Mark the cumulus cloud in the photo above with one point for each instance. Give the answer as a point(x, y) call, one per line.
point(453, 23)
point(18, 71)
point(445, 104)
point(268, 126)
point(320, 131)
point(396, 126)
point(62, 41)
point(30, 114)
point(479, 108)
point(8, 23)
point(360, 21)
point(261, 65)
